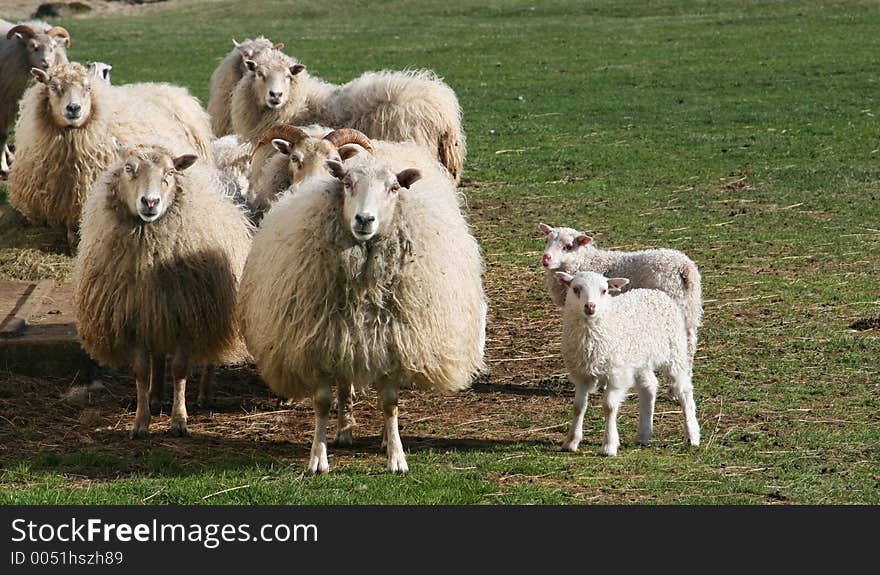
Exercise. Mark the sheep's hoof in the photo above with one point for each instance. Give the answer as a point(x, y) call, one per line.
point(397, 464)
point(139, 432)
point(155, 407)
point(694, 441)
point(178, 428)
point(317, 466)
point(610, 450)
point(204, 402)
point(344, 439)
point(571, 445)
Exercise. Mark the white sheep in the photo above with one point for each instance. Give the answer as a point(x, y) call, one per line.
point(23, 46)
point(66, 131)
point(99, 70)
point(413, 105)
point(226, 76)
point(371, 279)
point(569, 250)
point(157, 273)
point(232, 157)
point(619, 341)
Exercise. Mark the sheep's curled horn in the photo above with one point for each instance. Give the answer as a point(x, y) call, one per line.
point(345, 136)
point(22, 29)
point(61, 33)
point(286, 132)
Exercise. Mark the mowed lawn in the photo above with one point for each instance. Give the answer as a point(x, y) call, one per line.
point(743, 133)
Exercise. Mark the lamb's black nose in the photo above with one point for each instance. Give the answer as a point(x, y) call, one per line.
point(74, 108)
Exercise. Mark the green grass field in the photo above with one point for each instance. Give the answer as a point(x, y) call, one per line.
point(742, 132)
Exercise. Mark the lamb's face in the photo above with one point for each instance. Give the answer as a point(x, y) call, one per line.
point(271, 81)
point(69, 91)
point(148, 181)
point(589, 292)
point(307, 159)
point(370, 194)
point(560, 252)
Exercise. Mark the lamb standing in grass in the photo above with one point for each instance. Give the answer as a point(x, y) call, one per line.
point(157, 273)
point(570, 251)
point(370, 279)
point(620, 341)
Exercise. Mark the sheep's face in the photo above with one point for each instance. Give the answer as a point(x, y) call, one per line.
point(588, 292)
point(69, 91)
point(370, 194)
point(148, 181)
point(43, 50)
point(271, 81)
point(307, 158)
point(100, 71)
point(560, 253)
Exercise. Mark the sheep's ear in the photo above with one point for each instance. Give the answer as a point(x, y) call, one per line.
point(279, 46)
point(349, 150)
point(545, 228)
point(564, 277)
point(183, 162)
point(282, 146)
point(617, 283)
point(105, 73)
point(296, 69)
point(408, 177)
point(40, 75)
point(336, 169)
point(250, 65)
point(583, 239)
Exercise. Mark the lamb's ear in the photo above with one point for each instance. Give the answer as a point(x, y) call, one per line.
point(564, 277)
point(105, 73)
point(545, 228)
point(336, 169)
point(282, 146)
point(250, 65)
point(183, 162)
point(583, 239)
point(617, 283)
point(349, 150)
point(279, 46)
point(296, 69)
point(40, 75)
point(408, 177)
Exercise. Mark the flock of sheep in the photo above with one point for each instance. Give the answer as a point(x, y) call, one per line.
point(311, 228)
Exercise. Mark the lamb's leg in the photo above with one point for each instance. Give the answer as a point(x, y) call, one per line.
point(618, 383)
point(321, 401)
point(179, 371)
point(582, 388)
point(141, 366)
point(396, 457)
point(684, 390)
point(344, 413)
point(647, 384)
point(206, 388)
point(157, 383)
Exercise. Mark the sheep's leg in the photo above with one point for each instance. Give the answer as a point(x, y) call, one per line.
point(396, 457)
point(684, 390)
point(6, 157)
point(647, 385)
point(582, 389)
point(618, 384)
point(384, 445)
point(157, 383)
point(179, 370)
point(206, 388)
point(344, 413)
point(141, 366)
point(321, 401)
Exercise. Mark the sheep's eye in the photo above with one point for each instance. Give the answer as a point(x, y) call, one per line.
point(129, 169)
point(577, 291)
point(569, 247)
point(394, 187)
point(604, 291)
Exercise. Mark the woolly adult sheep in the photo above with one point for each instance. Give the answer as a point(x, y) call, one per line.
point(413, 105)
point(569, 250)
point(157, 271)
point(620, 341)
point(65, 137)
point(23, 46)
point(226, 76)
point(372, 279)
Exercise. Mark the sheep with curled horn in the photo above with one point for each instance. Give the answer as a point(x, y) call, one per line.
point(23, 46)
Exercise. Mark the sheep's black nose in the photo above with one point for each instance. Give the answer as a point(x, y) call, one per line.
point(275, 95)
point(74, 108)
point(364, 219)
point(150, 203)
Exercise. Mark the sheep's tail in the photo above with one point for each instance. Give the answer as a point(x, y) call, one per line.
point(692, 288)
point(449, 152)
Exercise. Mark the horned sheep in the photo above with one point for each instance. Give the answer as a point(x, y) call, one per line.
point(569, 250)
point(157, 273)
point(372, 279)
point(23, 46)
point(413, 105)
point(226, 76)
point(619, 341)
point(65, 137)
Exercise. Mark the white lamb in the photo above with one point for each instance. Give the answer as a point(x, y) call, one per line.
point(619, 341)
point(570, 251)
point(371, 279)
